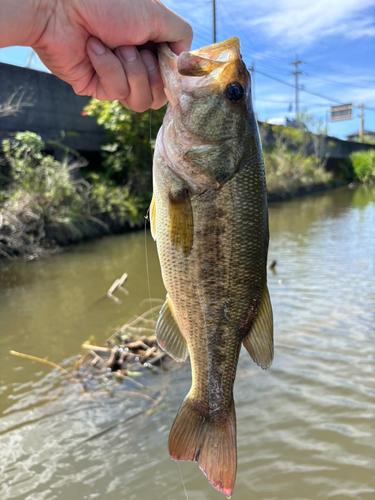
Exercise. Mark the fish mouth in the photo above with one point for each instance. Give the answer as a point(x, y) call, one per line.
point(204, 67)
point(203, 61)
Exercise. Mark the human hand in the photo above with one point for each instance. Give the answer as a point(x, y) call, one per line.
point(92, 44)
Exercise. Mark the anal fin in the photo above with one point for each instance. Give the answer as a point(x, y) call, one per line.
point(259, 342)
point(168, 334)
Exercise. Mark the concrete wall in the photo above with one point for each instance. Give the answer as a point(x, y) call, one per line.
point(55, 108)
point(340, 150)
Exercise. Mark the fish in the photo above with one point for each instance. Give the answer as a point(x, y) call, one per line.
point(209, 218)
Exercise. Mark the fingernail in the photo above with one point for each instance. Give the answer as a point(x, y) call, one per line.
point(97, 47)
point(128, 52)
point(149, 60)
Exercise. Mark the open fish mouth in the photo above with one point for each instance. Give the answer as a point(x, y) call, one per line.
point(211, 65)
point(226, 51)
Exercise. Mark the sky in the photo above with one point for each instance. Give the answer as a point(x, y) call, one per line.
point(335, 39)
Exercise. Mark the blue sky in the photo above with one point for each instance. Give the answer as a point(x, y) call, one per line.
point(334, 38)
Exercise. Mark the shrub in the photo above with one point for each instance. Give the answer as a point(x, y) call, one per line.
point(40, 193)
point(289, 171)
point(288, 166)
point(46, 202)
point(364, 165)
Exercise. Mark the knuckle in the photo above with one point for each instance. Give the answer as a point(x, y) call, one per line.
point(81, 92)
point(158, 104)
point(123, 94)
point(142, 107)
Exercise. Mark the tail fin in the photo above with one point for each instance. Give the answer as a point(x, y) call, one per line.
point(209, 438)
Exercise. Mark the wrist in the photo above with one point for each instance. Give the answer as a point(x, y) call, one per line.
point(22, 22)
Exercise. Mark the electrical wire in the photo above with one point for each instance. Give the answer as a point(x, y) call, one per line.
point(280, 63)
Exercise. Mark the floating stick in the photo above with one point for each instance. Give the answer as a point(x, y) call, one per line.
point(46, 362)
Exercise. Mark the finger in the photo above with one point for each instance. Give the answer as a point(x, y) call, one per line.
point(140, 97)
point(110, 82)
point(154, 77)
point(174, 30)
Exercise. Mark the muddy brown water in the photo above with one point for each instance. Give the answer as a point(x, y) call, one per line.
point(306, 427)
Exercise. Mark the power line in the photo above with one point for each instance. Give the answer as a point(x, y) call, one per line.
point(345, 75)
point(352, 85)
point(310, 104)
point(267, 75)
point(307, 91)
point(303, 90)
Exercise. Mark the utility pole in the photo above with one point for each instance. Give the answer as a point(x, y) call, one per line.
point(296, 63)
point(362, 121)
point(214, 18)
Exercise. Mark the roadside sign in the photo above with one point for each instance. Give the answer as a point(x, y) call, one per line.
point(342, 112)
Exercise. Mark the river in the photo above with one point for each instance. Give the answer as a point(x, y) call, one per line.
point(305, 427)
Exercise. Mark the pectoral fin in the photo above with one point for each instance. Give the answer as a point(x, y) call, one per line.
point(168, 334)
point(152, 215)
point(259, 342)
point(181, 226)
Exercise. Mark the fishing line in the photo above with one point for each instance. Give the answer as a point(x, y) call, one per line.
point(146, 256)
point(170, 425)
point(147, 218)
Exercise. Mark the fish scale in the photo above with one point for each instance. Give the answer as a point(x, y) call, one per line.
point(209, 218)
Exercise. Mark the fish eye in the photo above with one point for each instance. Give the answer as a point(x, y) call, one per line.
point(234, 92)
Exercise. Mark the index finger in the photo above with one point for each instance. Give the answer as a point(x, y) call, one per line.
point(173, 29)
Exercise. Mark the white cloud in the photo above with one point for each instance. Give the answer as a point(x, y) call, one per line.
point(303, 22)
point(291, 23)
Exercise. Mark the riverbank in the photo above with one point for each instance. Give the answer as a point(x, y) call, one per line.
point(320, 188)
point(57, 237)
point(46, 204)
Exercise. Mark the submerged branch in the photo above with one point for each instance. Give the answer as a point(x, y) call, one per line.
point(49, 363)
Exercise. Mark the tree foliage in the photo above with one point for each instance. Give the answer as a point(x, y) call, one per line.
point(127, 160)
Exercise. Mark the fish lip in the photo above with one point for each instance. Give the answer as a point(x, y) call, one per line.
point(223, 52)
point(209, 51)
point(164, 49)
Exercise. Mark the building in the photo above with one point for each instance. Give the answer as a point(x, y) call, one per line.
point(368, 134)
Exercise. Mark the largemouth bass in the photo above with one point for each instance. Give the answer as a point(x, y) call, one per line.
point(210, 222)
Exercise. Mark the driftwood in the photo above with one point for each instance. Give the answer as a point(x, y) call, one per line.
point(46, 362)
point(125, 355)
point(120, 357)
point(113, 368)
